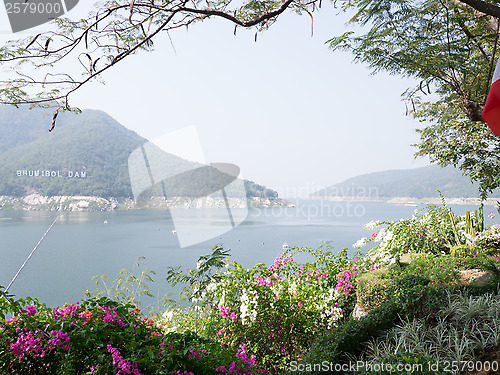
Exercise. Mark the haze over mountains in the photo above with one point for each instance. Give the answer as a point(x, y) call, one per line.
point(416, 183)
point(86, 154)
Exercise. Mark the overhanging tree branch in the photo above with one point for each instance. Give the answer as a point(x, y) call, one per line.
point(114, 32)
point(235, 20)
point(483, 7)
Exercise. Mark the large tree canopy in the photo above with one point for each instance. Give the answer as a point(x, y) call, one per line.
point(118, 28)
point(47, 68)
point(446, 45)
point(451, 49)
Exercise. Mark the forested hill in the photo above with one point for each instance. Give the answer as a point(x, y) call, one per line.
point(86, 154)
point(416, 183)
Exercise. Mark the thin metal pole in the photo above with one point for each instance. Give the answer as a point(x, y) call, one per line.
point(29, 256)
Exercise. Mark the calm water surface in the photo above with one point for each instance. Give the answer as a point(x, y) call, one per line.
point(84, 244)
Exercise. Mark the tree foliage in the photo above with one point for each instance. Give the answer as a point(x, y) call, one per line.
point(453, 139)
point(450, 49)
point(114, 30)
point(447, 46)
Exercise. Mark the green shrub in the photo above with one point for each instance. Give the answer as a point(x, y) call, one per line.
point(410, 281)
point(408, 299)
point(438, 269)
point(482, 262)
point(371, 287)
point(346, 341)
point(275, 310)
point(488, 241)
point(462, 327)
point(463, 251)
point(442, 269)
point(99, 336)
point(349, 339)
point(434, 230)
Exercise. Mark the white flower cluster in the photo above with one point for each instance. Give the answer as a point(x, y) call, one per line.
point(426, 219)
point(328, 309)
point(360, 243)
point(333, 295)
point(169, 320)
point(333, 314)
point(372, 224)
point(276, 289)
point(211, 287)
point(248, 308)
point(383, 234)
point(381, 254)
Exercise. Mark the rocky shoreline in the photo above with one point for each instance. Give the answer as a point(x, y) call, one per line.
point(35, 202)
point(410, 200)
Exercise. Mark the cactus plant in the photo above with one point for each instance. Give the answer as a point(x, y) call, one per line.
point(481, 217)
point(469, 223)
point(475, 224)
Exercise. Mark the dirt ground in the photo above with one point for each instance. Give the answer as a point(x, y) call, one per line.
point(493, 355)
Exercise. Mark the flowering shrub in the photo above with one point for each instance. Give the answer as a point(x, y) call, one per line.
point(345, 280)
point(435, 229)
point(100, 336)
point(488, 241)
point(276, 311)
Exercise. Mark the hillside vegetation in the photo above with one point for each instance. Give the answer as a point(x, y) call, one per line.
point(86, 154)
point(417, 183)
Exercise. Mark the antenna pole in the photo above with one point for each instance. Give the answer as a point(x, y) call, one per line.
point(29, 256)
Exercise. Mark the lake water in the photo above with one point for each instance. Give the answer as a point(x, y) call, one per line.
point(84, 244)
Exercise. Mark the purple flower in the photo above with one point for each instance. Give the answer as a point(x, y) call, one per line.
point(224, 311)
point(66, 311)
point(233, 316)
point(122, 364)
point(30, 310)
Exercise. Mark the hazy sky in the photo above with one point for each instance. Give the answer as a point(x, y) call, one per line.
point(287, 110)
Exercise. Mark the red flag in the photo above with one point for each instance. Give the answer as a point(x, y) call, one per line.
point(491, 111)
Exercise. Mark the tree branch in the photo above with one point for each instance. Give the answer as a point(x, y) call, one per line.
point(483, 7)
point(235, 20)
point(111, 34)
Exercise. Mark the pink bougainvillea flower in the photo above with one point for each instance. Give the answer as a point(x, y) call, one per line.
point(233, 316)
point(224, 311)
point(29, 310)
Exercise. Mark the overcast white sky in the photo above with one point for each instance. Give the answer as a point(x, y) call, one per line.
point(287, 110)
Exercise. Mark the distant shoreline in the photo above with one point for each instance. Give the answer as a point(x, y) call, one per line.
point(36, 202)
point(409, 200)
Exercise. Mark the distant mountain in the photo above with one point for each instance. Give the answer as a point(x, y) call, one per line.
point(21, 126)
point(86, 154)
point(416, 183)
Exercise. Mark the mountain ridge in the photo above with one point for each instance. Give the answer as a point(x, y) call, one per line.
point(423, 182)
point(86, 155)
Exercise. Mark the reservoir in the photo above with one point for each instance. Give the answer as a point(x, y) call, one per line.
point(84, 244)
